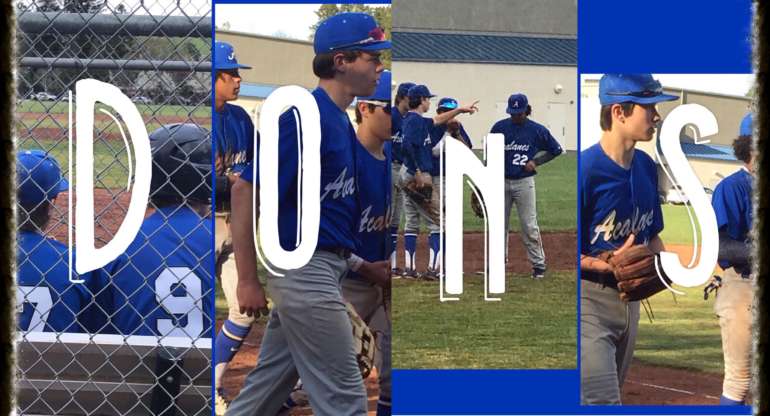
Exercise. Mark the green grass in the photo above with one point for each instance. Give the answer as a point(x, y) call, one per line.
point(533, 326)
point(62, 107)
point(110, 160)
point(676, 225)
point(684, 333)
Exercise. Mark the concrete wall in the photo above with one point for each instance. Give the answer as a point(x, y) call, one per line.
point(542, 17)
point(274, 61)
point(492, 84)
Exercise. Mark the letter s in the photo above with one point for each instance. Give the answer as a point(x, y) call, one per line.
point(705, 125)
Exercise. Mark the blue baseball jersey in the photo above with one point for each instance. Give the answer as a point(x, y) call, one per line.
point(436, 134)
point(733, 207)
point(616, 202)
point(339, 201)
point(46, 299)
point(234, 137)
point(396, 120)
point(522, 142)
point(162, 285)
point(417, 146)
point(374, 194)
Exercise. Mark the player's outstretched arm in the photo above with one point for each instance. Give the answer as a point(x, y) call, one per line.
point(251, 295)
point(446, 116)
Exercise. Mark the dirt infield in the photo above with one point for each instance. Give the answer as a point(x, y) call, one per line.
point(649, 384)
point(560, 252)
point(246, 359)
point(108, 209)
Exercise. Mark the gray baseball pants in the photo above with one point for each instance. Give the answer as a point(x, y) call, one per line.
point(308, 335)
point(367, 301)
point(733, 307)
point(411, 210)
point(521, 192)
point(607, 335)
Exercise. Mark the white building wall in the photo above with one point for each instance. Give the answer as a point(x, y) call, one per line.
point(492, 84)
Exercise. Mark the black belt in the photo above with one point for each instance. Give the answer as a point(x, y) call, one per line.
point(340, 251)
point(604, 279)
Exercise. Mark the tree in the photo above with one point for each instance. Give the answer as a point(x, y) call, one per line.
point(380, 13)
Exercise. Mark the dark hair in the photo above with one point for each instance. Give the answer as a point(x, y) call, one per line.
point(399, 97)
point(323, 64)
point(605, 116)
point(359, 116)
point(414, 102)
point(742, 148)
point(33, 218)
point(442, 110)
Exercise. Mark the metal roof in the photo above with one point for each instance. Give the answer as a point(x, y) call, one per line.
point(708, 151)
point(476, 48)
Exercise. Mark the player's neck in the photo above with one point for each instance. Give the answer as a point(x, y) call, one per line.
point(371, 142)
point(219, 104)
point(617, 148)
point(403, 107)
point(337, 92)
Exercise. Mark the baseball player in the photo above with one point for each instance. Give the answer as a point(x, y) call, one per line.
point(619, 207)
point(732, 202)
point(46, 299)
point(418, 164)
point(309, 333)
point(452, 128)
point(369, 264)
point(162, 284)
point(234, 144)
point(401, 104)
point(527, 145)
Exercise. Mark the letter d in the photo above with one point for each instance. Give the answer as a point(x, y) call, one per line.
point(88, 92)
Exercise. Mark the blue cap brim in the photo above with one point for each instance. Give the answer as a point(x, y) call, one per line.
point(231, 66)
point(374, 46)
point(617, 99)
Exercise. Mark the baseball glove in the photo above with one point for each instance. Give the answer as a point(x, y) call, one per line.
point(423, 198)
point(634, 269)
point(364, 342)
point(476, 206)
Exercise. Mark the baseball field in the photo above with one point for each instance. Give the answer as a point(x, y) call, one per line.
point(533, 326)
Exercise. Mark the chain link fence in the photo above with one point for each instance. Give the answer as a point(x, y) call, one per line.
point(135, 337)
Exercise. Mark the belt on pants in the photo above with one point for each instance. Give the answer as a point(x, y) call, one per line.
point(604, 279)
point(340, 251)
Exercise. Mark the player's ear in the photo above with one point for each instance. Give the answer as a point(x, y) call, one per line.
point(617, 113)
point(339, 61)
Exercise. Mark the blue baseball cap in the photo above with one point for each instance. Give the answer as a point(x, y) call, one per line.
point(746, 126)
point(224, 57)
point(38, 176)
point(349, 31)
point(404, 87)
point(382, 92)
point(631, 88)
point(517, 104)
point(419, 91)
point(447, 103)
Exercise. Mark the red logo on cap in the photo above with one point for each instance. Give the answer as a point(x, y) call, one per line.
point(377, 34)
